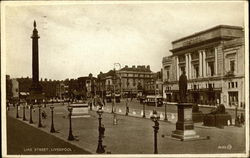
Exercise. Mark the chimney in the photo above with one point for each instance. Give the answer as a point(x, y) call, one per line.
point(126, 66)
point(148, 67)
point(143, 66)
point(133, 66)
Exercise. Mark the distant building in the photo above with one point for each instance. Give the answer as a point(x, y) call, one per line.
point(127, 80)
point(214, 63)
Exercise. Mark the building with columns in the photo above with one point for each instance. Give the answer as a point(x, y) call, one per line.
point(213, 60)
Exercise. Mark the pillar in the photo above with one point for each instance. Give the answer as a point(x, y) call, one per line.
point(186, 65)
point(204, 63)
point(190, 66)
point(200, 64)
point(177, 68)
point(216, 61)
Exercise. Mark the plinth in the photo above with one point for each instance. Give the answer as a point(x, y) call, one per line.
point(185, 126)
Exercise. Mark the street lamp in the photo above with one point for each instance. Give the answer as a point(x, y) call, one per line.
point(39, 117)
point(144, 101)
point(100, 149)
point(24, 118)
point(52, 129)
point(155, 119)
point(17, 115)
point(31, 108)
point(166, 117)
point(70, 137)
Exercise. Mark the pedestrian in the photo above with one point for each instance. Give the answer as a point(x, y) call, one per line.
point(242, 119)
point(44, 115)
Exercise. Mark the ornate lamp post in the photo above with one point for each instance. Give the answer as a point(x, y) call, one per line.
point(127, 108)
point(17, 115)
point(70, 137)
point(166, 116)
point(52, 129)
point(39, 115)
point(155, 119)
point(24, 118)
point(100, 149)
point(144, 109)
point(31, 108)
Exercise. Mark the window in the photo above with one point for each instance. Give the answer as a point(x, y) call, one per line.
point(236, 84)
point(228, 84)
point(182, 69)
point(232, 84)
point(196, 71)
point(167, 74)
point(232, 65)
point(211, 68)
point(233, 98)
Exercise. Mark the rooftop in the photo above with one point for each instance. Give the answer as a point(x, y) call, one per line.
point(207, 30)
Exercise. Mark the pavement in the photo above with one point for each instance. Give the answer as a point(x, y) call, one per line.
point(24, 139)
point(134, 134)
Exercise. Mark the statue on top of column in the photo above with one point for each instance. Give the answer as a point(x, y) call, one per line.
point(183, 87)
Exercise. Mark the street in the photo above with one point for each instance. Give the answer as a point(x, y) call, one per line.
point(134, 135)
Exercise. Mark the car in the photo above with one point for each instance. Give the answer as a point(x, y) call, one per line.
point(150, 100)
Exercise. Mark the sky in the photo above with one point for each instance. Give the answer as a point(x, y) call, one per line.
point(78, 39)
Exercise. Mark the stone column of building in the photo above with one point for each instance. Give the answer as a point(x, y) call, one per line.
point(177, 68)
point(200, 64)
point(204, 64)
point(186, 65)
point(216, 60)
point(189, 66)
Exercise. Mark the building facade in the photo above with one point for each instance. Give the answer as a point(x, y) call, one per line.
point(127, 80)
point(213, 60)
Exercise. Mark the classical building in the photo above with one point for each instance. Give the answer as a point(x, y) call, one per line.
point(213, 60)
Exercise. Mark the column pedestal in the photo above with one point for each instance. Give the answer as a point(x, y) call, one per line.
point(185, 126)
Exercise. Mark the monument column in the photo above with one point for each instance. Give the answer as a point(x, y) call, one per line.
point(35, 60)
point(36, 88)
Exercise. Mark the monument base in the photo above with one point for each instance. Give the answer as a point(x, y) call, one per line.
point(185, 135)
point(185, 126)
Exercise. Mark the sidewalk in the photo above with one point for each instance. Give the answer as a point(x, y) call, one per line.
point(134, 135)
point(23, 139)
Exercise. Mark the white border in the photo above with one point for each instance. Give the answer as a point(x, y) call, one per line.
point(3, 73)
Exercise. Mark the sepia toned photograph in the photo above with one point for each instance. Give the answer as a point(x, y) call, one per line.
point(125, 78)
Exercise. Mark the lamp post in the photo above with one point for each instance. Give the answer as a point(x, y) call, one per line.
point(144, 109)
point(166, 116)
point(100, 149)
point(24, 118)
point(155, 119)
point(17, 115)
point(70, 137)
point(127, 109)
point(52, 129)
point(31, 108)
point(39, 117)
